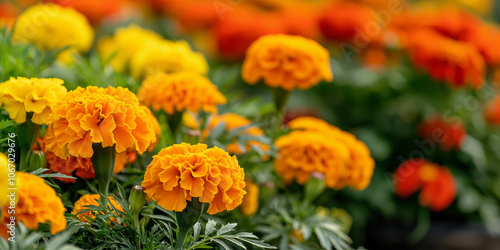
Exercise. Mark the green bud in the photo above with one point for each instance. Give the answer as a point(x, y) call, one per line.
point(137, 199)
point(37, 160)
point(314, 186)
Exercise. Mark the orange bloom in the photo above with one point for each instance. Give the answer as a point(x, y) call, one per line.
point(183, 171)
point(455, 62)
point(437, 183)
point(193, 15)
point(111, 116)
point(37, 203)
point(448, 135)
point(8, 14)
point(91, 200)
point(492, 111)
point(177, 92)
point(94, 10)
point(250, 203)
point(287, 62)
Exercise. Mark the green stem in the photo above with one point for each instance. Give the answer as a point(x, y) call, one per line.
point(27, 133)
point(423, 225)
point(104, 190)
point(138, 227)
point(103, 161)
point(174, 122)
point(280, 98)
point(186, 220)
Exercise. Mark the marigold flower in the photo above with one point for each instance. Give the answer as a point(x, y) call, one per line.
point(51, 27)
point(448, 135)
point(111, 116)
point(4, 181)
point(91, 200)
point(125, 43)
point(183, 171)
point(316, 146)
point(21, 95)
point(437, 183)
point(37, 203)
point(250, 203)
point(287, 62)
point(94, 10)
point(166, 56)
point(8, 15)
point(181, 91)
point(447, 60)
point(492, 111)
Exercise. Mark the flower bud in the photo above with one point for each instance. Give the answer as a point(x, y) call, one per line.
point(37, 160)
point(314, 186)
point(137, 199)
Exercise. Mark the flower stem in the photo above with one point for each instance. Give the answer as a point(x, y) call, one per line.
point(174, 122)
point(280, 98)
point(186, 220)
point(138, 226)
point(103, 161)
point(27, 133)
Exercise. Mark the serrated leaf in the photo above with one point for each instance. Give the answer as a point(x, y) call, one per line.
point(220, 242)
point(196, 231)
point(235, 241)
point(226, 228)
point(210, 227)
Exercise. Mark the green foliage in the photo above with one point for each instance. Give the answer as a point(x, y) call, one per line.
point(26, 240)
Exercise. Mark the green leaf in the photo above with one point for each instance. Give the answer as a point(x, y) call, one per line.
point(220, 242)
point(226, 228)
point(210, 227)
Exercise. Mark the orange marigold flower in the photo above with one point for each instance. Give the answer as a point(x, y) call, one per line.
point(111, 116)
point(492, 111)
point(183, 171)
point(287, 62)
point(250, 203)
point(455, 62)
point(316, 146)
point(91, 200)
point(8, 14)
point(21, 95)
point(94, 10)
point(181, 91)
point(437, 183)
point(37, 203)
point(447, 134)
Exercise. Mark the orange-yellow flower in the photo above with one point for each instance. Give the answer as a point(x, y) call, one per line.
point(94, 10)
point(250, 203)
point(91, 200)
point(492, 111)
point(287, 62)
point(4, 179)
point(8, 14)
point(449, 135)
point(183, 171)
point(316, 146)
point(181, 91)
point(37, 203)
point(21, 95)
point(111, 116)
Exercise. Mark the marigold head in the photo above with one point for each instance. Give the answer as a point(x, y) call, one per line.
point(250, 203)
point(181, 91)
point(4, 180)
point(37, 203)
point(183, 171)
point(111, 116)
point(449, 135)
point(91, 200)
point(286, 62)
point(492, 111)
point(94, 10)
point(21, 95)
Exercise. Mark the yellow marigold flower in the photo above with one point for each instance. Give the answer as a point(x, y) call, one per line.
point(51, 26)
point(111, 116)
point(316, 146)
point(180, 91)
point(91, 200)
point(37, 203)
point(4, 180)
point(125, 43)
point(166, 56)
point(250, 203)
point(287, 62)
point(183, 171)
point(21, 95)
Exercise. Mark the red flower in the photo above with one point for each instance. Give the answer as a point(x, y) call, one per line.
point(448, 135)
point(437, 183)
point(94, 10)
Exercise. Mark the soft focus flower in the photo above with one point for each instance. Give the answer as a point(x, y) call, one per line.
point(437, 183)
point(166, 56)
point(91, 200)
point(111, 116)
point(193, 15)
point(316, 146)
point(8, 15)
point(287, 62)
point(250, 203)
point(448, 135)
point(492, 111)
point(181, 91)
point(4, 180)
point(447, 60)
point(51, 26)
point(124, 44)
point(21, 95)
point(182, 171)
point(37, 203)
point(94, 10)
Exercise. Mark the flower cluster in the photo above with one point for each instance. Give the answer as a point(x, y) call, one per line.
point(21, 95)
point(31, 209)
point(286, 62)
point(180, 91)
point(111, 116)
point(316, 146)
point(449, 135)
point(183, 171)
point(437, 183)
point(91, 200)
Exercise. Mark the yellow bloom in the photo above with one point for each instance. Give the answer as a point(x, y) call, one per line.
point(166, 56)
point(125, 43)
point(183, 171)
point(4, 180)
point(37, 203)
point(51, 26)
point(181, 91)
point(287, 62)
point(90, 200)
point(250, 203)
point(111, 116)
point(21, 95)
